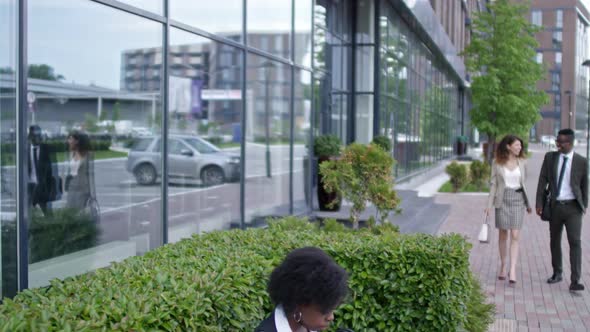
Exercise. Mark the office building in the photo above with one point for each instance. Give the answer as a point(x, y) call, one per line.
point(257, 79)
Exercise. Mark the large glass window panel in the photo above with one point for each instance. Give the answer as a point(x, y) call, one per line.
point(365, 65)
point(302, 124)
point(220, 17)
point(204, 135)
point(97, 96)
point(303, 25)
point(339, 116)
point(365, 21)
point(8, 56)
point(364, 118)
point(267, 138)
point(154, 6)
point(270, 33)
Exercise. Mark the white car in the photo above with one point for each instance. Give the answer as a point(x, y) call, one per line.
point(548, 141)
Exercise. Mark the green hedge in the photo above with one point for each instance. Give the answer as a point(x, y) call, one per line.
point(217, 282)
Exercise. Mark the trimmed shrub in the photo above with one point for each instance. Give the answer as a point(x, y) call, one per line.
point(382, 141)
point(327, 146)
point(479, 173)
point(362, 174)
point(217, 282)
point(458, 174)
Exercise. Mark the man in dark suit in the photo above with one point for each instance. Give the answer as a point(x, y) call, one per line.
point(566, 172)
point(42, 173)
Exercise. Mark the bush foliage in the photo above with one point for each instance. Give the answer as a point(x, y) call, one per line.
point(382, 141)
point(327, 146)
point(362, 174)
point(458, 174)
point(479, 173)
point(217, 282)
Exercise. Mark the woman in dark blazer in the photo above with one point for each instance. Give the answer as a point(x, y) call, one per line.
point(509, 197)
point(306, 288)
point(80, 173)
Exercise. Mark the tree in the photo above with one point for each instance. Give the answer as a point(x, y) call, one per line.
point(44, 72)
point(502, 49)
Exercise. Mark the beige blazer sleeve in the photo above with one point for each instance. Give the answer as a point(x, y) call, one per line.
point(493, 185)
point(522, 163)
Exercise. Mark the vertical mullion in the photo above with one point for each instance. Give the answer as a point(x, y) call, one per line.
point(164, 115)
point(292, 107)
point(351, 122)
point(376, 69)
point(244, 115)
point(312, 124)
point(22, 149)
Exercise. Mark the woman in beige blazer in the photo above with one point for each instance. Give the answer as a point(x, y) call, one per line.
point(508, 195)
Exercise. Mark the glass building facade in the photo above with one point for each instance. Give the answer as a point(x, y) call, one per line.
point(126, 125)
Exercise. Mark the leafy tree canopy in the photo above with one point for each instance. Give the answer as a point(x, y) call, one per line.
point(502, 50)
point(44, 72)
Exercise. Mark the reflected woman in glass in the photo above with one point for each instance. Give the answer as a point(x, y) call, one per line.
point(306, 288)
point(80, 172)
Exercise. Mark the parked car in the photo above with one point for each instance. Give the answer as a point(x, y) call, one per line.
point(190, 157)
point(549, 141)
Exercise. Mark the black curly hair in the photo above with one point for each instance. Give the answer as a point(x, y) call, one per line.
point(308, 276)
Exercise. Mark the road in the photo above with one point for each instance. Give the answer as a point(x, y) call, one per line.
point(128, 209)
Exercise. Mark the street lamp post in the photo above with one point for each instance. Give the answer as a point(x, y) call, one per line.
point(587, 64)
point(267, 66)
point(568, 93)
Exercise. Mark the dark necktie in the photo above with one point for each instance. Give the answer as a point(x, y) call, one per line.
point(561, 172)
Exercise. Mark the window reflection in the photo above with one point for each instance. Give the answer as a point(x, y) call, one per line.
point(96, 91)
point(205, 135)
point(303, 24)
point(420, 112)
point(8, 259)
point(270, 33)
point(301, 151)
point(267, 139)
point(220, 17)
point(154, 6)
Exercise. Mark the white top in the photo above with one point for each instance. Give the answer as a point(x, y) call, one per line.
point(281, 322)
point(566, 192)
point(74, 165)
point(512, 177)
point(33, 174)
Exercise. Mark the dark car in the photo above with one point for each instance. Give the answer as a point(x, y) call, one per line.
point(189, 157)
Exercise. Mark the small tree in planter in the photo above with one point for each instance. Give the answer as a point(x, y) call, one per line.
point(325, 148)
point(479, 173)
point(362, 174)
point(458, 174)
point(382, 141)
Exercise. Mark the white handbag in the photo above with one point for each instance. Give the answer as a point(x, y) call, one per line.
point(484, 232)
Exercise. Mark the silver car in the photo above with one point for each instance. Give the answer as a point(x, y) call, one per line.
point(190, 157)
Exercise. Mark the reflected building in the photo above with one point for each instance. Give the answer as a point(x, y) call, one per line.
point(248, 100)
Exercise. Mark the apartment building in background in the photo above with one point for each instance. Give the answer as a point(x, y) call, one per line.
point(563, 47)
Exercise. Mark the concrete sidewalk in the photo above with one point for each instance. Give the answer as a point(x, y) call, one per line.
point(533, 305)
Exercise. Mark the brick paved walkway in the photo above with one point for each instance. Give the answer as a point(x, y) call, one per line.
point(533, 305)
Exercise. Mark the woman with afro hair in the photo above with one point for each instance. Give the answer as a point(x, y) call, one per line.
point(305, 288)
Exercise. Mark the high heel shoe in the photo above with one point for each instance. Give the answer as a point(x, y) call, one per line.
point(511, 281)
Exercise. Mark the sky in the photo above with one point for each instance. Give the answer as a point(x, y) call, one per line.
point(107, 33)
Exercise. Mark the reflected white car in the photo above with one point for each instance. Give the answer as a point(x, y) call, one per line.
point(189, 157)
point(548, 141)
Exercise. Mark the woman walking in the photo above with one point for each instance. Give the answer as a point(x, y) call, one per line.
point(80, 174)
point(508, 195)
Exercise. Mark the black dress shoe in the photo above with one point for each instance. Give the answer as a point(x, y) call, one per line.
point(576, 286)
point(554, 278)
